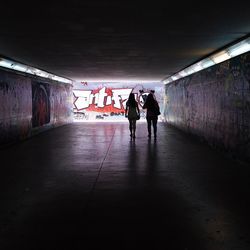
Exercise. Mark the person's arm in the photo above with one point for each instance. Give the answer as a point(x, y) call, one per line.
point(126, 111)
point(157, 104)
point(137, 107)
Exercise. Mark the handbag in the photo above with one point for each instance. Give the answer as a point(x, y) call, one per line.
point(138, 117)
point(157, 109)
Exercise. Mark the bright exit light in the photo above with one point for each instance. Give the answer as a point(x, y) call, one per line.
point(6, 63)
point(230, 52)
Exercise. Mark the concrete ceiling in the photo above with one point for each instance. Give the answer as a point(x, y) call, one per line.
point(118, 40)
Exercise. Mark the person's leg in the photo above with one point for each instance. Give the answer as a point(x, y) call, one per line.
point(149, 126)
point(134, 127)
point(130, 127)
point(155, 126)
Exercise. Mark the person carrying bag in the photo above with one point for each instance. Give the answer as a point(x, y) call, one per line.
point(132, 112)
point(153, 110)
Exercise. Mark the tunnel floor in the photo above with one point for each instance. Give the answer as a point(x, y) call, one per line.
point(89, 186)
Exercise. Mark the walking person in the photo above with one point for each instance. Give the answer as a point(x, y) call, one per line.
point(132, 112)
point(153, 110)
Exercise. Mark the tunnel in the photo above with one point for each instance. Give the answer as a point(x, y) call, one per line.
point(73, 173)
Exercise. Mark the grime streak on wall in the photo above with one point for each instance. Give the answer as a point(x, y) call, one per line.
point(61, 104)
point(40, 104)
point(15, 107)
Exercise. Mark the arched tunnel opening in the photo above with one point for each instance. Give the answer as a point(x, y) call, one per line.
point(106, 101)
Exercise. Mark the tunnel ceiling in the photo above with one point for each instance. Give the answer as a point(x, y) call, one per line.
point(113, 40)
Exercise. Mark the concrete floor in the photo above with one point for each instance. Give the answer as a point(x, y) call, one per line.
point(89, 186)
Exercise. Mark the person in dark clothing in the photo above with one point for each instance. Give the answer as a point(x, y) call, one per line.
point(132, 112)
point(153, 110)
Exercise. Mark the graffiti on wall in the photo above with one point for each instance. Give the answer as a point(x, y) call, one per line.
point(104, 99)
point(40, 104)
point(26, 104)
point(15, 107)
point(61, 104)
point(104, 102)
point(214, 104)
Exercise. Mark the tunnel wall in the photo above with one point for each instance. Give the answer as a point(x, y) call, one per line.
point(30, 105)
point(214, 104)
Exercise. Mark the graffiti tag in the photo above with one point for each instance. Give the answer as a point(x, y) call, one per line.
point(102, 98)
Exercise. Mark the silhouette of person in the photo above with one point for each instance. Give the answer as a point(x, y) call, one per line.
point(131, 112)
point(153, 110)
